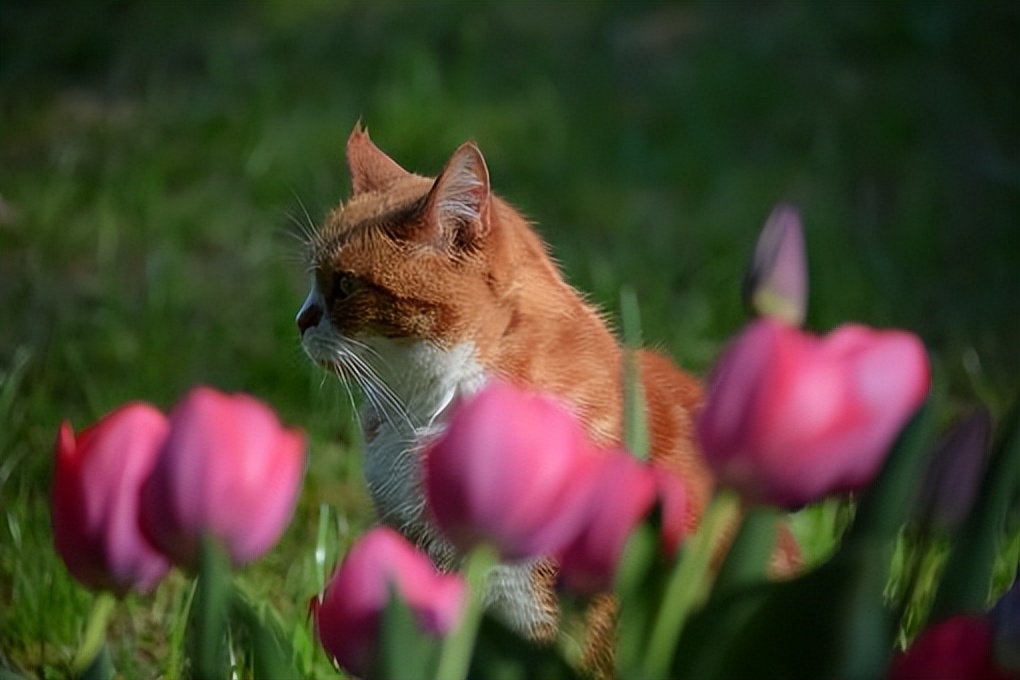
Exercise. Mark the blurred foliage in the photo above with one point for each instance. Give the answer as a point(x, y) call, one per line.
point(155, 157)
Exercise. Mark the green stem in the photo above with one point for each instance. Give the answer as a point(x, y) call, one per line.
point(455, 656)
point(95, 633)
point(686, 586)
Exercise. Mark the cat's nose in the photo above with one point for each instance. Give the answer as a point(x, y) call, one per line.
point(309, 317)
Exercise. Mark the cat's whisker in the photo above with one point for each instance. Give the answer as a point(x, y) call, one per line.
point(338, 372)
point(367, 382)
point(376, 389)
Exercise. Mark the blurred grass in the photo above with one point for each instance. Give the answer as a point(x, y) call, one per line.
point(154, 156)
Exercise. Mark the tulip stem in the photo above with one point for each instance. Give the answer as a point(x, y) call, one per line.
point(455, 656)
point(687, 585)
point(95, 633)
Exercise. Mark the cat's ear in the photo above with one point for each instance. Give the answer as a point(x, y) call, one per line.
point(458, 203)
point(371, 169)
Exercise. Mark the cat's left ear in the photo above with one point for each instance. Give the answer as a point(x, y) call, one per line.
point(457, 207)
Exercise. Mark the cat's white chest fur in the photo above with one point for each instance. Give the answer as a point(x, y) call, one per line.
point(407, 398)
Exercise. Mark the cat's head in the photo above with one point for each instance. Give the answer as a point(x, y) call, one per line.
point(406, 258)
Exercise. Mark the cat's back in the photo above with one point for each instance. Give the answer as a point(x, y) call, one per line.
point(672, 400)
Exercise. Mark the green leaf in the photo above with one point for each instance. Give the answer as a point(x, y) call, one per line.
point(830, 623)
point(93, 659)
point(272, 653)
point(965, 581)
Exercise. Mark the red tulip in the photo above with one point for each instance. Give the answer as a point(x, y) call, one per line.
point(228, 470)
point(958, 648)
point(791, 418)
point(95, 500)
point(347, 618)
point(621, 496)
point(511, 470)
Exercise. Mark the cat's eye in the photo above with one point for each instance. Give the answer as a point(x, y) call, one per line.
point(343, 286)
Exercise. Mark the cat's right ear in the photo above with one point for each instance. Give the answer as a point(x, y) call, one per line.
point(457, 208)
point(371, 169)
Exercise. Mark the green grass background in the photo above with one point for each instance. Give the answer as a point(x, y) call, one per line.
point(155, 157)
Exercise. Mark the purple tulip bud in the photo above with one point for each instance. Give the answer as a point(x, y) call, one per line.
point(776, 279)
point(95, 500)
point(954, 471)
point(228, 470)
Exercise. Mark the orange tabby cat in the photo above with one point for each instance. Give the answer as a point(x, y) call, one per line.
point(422, 291)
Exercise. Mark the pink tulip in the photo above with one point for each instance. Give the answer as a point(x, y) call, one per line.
point(791, 418)
point(228, 470)
point(95, 500)
point(511, 471)
point(622, 494)
point(348, 616)
point(958, 648)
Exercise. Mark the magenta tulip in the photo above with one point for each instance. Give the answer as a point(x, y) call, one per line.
point(791, 418)
point(229, 471)
point(622, 495)
point(95, 500)
point(348, 616)
point(511, 471)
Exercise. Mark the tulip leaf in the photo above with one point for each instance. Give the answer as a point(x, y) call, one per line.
point(965, 581)
point(93, 659)
point(207, 627)
point(271, 652)
point(828, 623)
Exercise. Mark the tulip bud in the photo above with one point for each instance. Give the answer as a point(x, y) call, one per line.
point(95, 500)
point(776, 279)
point(511, 471)
point(228, 470)
point(347, 618)
point(791, 418)
point(954, 471)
